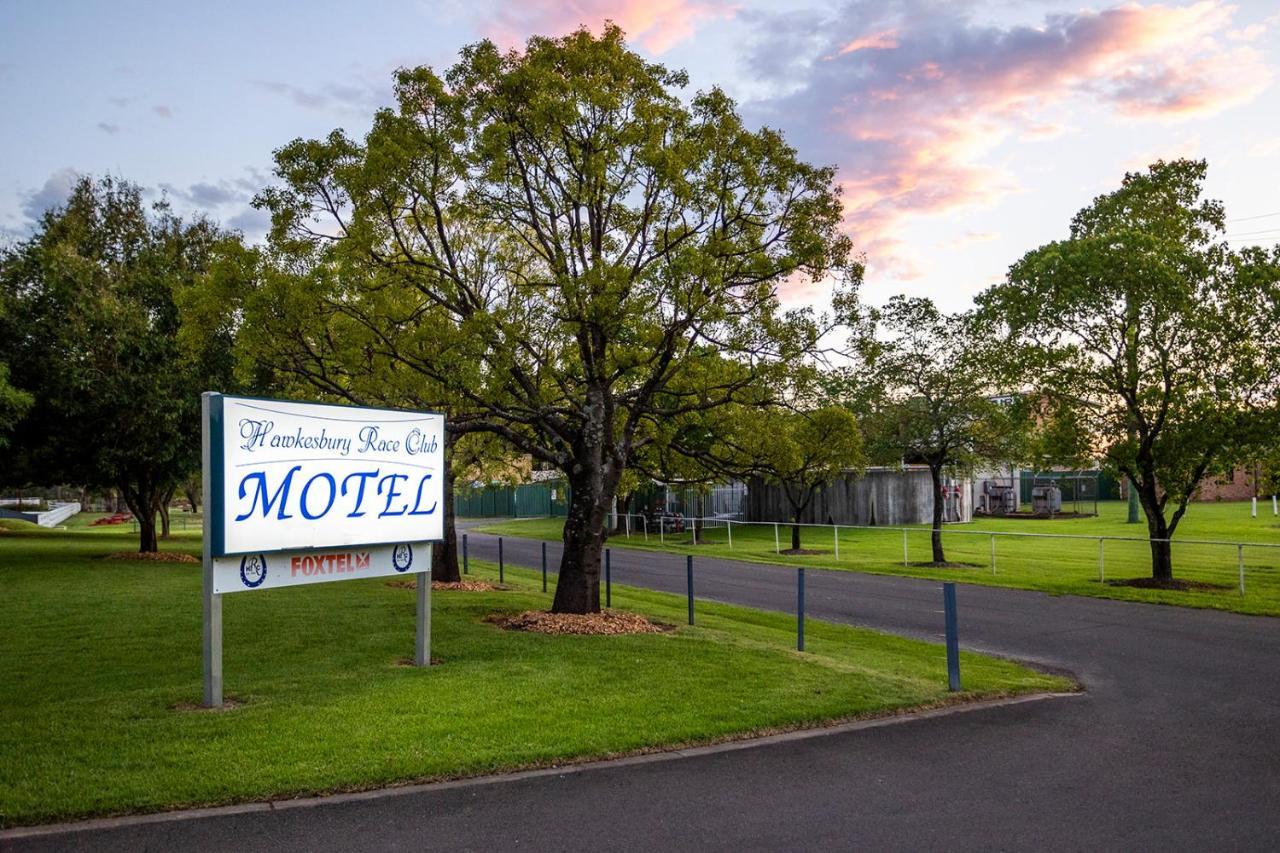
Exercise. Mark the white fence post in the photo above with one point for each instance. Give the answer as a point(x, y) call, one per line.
point(836, 533)
point(993, 553)
point(1102, 566)
point(777, 549)
point(728, 525)
point(1240, 562)
point(904, 548)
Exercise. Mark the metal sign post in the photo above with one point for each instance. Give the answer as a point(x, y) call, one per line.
point(212, 601)
point(302, 493)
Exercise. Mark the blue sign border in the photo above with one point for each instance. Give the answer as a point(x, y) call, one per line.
point(216, 502)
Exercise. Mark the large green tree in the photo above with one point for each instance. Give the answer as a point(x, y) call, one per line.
point(564, 231)
point(1169, 339)
point(91, 332)
point(925, 386)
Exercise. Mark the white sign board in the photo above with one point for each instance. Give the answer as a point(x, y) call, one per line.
point(291, 476)
point(290, 568)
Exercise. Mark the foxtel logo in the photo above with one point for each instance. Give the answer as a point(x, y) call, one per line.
point(328, 564)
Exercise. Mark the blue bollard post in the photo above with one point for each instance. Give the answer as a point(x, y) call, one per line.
point(953, 636)
point(608, 578)
point(799, 610)
point(689, 571)
point(501, 570)
point(465, 568)
point(544, 566)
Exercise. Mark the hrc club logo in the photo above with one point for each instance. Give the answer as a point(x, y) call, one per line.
point(253, 570)
point(402, 557)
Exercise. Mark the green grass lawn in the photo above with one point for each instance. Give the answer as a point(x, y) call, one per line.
point(1055, 565)
point(100, 663)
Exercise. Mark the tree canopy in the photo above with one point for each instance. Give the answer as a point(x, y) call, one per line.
point(924, 383)
point(92, 327)
point(1166, 337)
point(548, 237)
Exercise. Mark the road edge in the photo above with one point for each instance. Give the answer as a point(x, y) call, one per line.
point(659, 755)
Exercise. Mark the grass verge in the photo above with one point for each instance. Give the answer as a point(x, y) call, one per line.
point(101, 667)
point(1060, 566)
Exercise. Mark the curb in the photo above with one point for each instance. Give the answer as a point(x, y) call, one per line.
point(109, 823)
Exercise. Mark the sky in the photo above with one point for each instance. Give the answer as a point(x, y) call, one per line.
point(964, 133)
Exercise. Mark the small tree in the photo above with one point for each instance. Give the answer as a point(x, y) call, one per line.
point(1169, 336)
point(799, 451)
point(924, 385)
point(92, 331)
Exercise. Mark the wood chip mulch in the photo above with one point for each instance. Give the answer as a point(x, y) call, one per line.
point(606, 622)
point(1176, 584)
point(157, 557)
point(464, 586)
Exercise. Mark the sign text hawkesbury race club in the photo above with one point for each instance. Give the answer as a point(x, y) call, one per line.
point(307, 492)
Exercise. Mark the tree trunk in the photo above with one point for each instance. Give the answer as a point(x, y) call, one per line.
point(444, 556)
point(697, 521)
point(1157, 529)
point(578, 585)
point(1161, 560)
point(143, 498)
point(624, 509)
point(190, 494)
point(795, 531)
point(935, 474)
point(166, 498)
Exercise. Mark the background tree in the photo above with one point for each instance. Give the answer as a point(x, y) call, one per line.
point(1170, 337)
point(92, 328)
point(924, 388)
point(14, 402)
point(799, 451)
point(564, 231)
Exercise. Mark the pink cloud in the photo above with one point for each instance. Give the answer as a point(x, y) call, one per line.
point(655, 25)
point(885, 40)
point(910, 122)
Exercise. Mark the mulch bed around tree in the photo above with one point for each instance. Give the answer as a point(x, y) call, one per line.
point(801, 552)
point(156, 557)
point(465, 586)
point(1175, 584)
point(606, 622)
point(948, 565)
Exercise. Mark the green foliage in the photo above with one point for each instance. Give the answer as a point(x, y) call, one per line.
point(546, 240)
point(93, 328)
point(924, 385)
point(1168, 339)
point(799, 451)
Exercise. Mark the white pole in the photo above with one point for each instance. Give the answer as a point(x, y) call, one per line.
point(728, 525)
point(1102, 571)
point(662, 524)
point(422, 635)
point(1255, 506)
point(1275, 510)
point(904, 547)
point(836, 533)
point(993, 554)
point(1240, 562)
point(777, 548)
point(645, 522)
point(628, 523)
